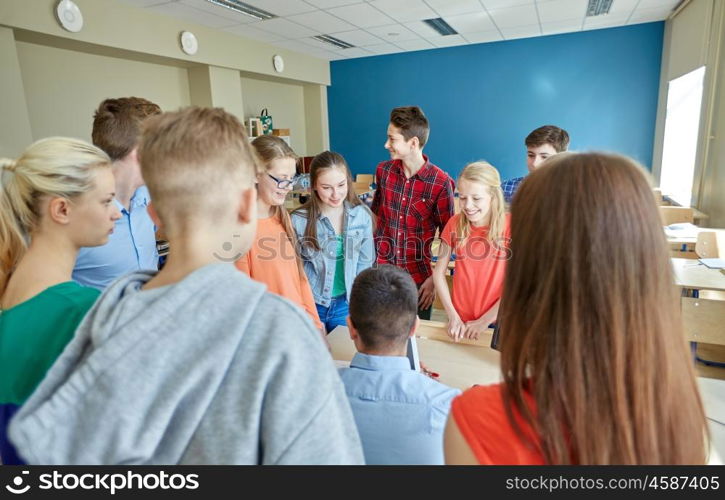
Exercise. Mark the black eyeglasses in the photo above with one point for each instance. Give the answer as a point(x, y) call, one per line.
point(283, 183)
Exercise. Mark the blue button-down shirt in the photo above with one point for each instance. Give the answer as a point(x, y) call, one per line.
point(131, 246)
point(509, 188)
point(400, 413)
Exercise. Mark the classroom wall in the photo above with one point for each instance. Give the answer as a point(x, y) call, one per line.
point(483, 99)
point(284, 101)
point(64, 87)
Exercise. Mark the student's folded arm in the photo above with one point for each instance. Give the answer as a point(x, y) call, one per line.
point(490, 316)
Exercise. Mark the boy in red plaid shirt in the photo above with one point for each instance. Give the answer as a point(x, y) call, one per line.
point(413, 198)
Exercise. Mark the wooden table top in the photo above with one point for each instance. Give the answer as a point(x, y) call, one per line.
point(691, 274)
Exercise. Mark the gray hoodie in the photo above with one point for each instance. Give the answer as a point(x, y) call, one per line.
point(210, 370)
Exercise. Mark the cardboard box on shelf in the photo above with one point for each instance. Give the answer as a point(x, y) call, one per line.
point(280, 131)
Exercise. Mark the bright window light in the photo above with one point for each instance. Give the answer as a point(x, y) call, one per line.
point(682, 124)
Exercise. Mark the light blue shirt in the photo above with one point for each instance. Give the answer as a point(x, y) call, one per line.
point(131, 246)
point(400, 413)
point(320, 265)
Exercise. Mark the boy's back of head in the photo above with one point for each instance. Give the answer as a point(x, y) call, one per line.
point(557, 137)
point(117, 124)
point(383, 307)
point(196, 162)
point(411, 122)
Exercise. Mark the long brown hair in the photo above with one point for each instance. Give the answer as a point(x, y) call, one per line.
point(590, 321)
point(311, 209)
point(270, 148)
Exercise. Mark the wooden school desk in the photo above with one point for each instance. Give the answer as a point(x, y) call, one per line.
point(460, 365)
point(690, 275)
point(702, 318)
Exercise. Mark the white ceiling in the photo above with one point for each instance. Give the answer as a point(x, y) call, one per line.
point(389, 26)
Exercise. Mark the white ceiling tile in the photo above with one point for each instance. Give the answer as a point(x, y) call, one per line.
point(606, 20)
point(217, 10)
point(145, 3)
point(329, 4)
point(254, 33)
point(421, 28)
point(282, 8)
point(521, 32)
point(471, 22)
point(285, 28)
point(561, 10)
point(569, 26)
point(523, 15)
point(454, 7)
point(353, 52)
point(298, 45)
point(358, 37)
point(322, 22)
point(405, 10)
point(362, 15)
point(651, 4)
point(382, 48)
point(448, 40)
point(394, 33)
point(497, 4)
point(192, 15)
point(313, 42)
point(649, 15)
point(483, 36)
point(419, 44)
point(622, 6)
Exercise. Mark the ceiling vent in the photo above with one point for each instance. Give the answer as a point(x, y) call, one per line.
point(598, 7)
point(244, 8)
point(442, 27)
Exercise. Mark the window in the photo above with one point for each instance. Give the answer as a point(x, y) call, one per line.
point(682, 124)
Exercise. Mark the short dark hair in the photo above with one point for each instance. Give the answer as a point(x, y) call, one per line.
point(383, 306)
point(548, 134)
point(412, 123)
point(117, 124)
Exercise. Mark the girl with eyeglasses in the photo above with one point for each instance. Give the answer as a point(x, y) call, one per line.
point(273, 258)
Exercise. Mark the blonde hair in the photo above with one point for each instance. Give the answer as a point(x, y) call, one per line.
point(270, 148)
point(195, 162)
point(52, 167)
point(484, 173)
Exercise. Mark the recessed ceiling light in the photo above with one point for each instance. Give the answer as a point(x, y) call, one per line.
point(333, 41)
point(442, 27)
point(244, 8)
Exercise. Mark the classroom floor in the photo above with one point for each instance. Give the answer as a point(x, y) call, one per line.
point(712, 388)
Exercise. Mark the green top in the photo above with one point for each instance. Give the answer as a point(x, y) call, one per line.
point(35, 332)
point(338, 285)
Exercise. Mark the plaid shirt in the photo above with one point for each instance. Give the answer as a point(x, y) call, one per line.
point(409, 211)
point(509, 187)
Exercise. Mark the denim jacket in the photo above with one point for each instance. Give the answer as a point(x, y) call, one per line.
point(320, 265)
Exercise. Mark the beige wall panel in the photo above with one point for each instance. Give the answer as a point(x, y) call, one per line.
point(15, 131)
point(286, 104)
point(64, 87)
